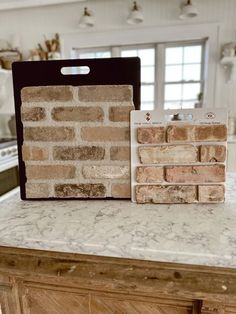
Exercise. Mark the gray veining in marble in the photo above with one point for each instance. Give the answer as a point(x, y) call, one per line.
point(192, 234)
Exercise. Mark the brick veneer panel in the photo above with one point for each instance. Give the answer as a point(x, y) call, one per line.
point(77, 141)
point(178, 165)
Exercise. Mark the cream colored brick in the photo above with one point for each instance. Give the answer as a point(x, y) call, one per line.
point(106, 172)
point(168, 154)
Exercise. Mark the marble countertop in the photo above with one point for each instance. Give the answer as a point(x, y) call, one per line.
point(191, 234)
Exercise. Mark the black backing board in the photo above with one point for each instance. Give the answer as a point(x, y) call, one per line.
point(110, 71)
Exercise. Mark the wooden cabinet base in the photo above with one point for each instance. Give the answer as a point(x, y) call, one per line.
point(38, 282)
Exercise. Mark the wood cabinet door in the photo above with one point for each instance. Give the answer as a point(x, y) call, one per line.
point(46, 301)
point(7, 302)
point(103, 305)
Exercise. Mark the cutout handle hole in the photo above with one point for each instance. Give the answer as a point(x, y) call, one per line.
point(76, 70)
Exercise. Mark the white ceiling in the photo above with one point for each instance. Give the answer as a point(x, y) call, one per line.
point(17, 4)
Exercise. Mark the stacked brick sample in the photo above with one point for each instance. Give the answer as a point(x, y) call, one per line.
point(76, 141)
point(179, 162)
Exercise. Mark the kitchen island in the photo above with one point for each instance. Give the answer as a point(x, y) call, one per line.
point(118, 257)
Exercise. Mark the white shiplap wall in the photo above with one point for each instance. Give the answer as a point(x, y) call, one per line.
point(32, 23)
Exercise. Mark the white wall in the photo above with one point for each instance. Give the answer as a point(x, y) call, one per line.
point(31, 24)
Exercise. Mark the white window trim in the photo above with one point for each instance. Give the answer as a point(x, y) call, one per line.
point(147, 35)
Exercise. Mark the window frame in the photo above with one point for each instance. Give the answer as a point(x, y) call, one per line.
point(161, 77)
point(159, 66)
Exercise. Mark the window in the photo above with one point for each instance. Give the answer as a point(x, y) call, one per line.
point(183, 78)
point(147, 56)
point(172, 75)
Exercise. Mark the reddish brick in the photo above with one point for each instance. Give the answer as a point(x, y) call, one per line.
point(211, 193)
point(151, 135)
point(37, 172)
point(195, 174)
point(77, 114)
point(49, 134)
point(196, 133)
point(149, 174)
point(168, 154)
point(120, 153)
point(46, 93)
point(165, 194)
point(105, 134)
point(120, 114)
point(107, 93)
point(121, 190)
point(212, 153)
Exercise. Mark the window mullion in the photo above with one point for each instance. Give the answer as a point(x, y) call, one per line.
point(159, 76)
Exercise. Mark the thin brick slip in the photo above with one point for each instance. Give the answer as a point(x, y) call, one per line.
point(105, 134)
point(212, 153)
point(120, 114)
point(72, 169)
point(78, 153)
point(211, 193)
point(168, 154)
point(119, 93)
point(77, 114)
point(165, 194)
point(121, 190)
point(106, 172)
point(149, 174)
point(196, 133)
point(47, 94)
point(48, 134)
point(120, 153)
point(32, 114)
point(80, 190)
point(152, 135)
point(37, 172)
point(37, 190)
point(195, 174)
point(34, 153)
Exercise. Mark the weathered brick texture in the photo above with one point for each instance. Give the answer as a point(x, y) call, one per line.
point(105, 134)
point(120, 153)
point(78, 153)
point(37, 190)
point(121, 190)
point(165, 194)
point(120, 114)
point(80, 190)
point(77, 114)
point(37, 172)
point(211, 193)
point(118, 93)
point(77, 141)
point(106, 172)
point(46, 93)
point(212, 153)
point(49, 134)
point(195, 174)
point(34, 153)
point(168, 154)
point(149, 174)
point(33, 114)
point(196, 133)
point(152, 135)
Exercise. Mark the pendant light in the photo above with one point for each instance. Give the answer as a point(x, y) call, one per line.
point(86, 19)
point(136, 15)
point(188, 10)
